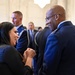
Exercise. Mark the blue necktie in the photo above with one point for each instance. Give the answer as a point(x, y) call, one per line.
point(31, 35)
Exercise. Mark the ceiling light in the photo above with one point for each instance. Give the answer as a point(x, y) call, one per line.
point(42, 3)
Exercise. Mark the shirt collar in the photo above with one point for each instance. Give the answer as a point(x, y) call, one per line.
point(60, 24)
point(18, 26)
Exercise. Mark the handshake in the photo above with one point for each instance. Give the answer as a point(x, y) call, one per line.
point(29, 53)
point(28, 56)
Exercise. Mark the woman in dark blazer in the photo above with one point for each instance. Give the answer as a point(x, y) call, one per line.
point(11, 61)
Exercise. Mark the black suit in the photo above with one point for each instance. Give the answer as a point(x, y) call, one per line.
point(41, 41)
point(32, 43)
point(33, 46)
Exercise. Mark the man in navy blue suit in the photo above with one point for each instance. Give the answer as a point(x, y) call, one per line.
point(22, 42)
point(59, 56)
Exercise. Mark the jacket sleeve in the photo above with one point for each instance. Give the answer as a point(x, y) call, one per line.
point(51, 56)
point(14, 61)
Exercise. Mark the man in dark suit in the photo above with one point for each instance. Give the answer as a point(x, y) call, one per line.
point(22, 42)
point(40, 40)
point(32, 33)
point(59, 56)
point(32, 45)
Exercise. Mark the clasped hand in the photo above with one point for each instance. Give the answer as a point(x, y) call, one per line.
point(28, 53)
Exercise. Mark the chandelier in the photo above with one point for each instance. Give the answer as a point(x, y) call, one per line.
point(42, 3)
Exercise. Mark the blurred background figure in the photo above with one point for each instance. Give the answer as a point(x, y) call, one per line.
point(40, 40)
point(25, 27)
point(22, 42)
point(39, 28)
point(32, 32)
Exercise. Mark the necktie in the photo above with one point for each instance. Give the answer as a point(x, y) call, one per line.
point(31, 35)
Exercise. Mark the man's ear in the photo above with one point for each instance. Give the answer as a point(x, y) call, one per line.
point(57, 16)
point(20, 18)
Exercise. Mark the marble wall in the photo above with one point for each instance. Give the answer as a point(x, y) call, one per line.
point(32, 12)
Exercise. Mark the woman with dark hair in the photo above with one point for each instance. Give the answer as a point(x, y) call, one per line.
point(11, 62)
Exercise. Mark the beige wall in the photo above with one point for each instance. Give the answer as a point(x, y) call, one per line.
point(32, 12)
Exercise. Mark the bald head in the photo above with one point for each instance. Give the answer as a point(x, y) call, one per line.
point(54, 16)
point(57, 9)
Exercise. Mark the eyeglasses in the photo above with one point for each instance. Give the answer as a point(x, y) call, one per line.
point(47, 18)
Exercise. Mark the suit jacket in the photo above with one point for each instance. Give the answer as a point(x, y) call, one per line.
point(41, 39)
point(32, 43)
point(11, 62)
point(59, 57)
point(33, 46)
point(22, 43)
point(20, 29)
